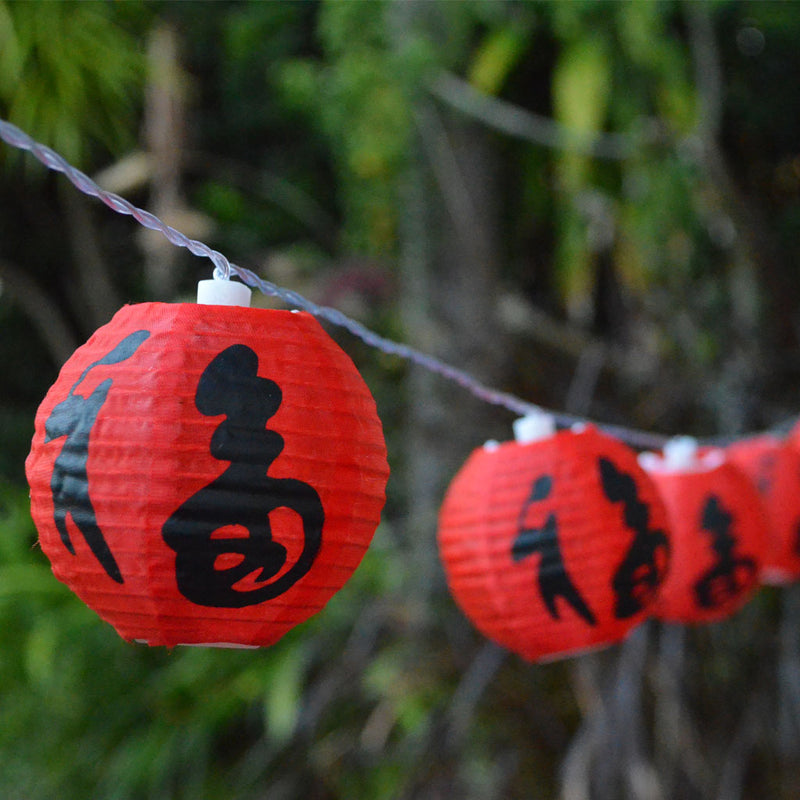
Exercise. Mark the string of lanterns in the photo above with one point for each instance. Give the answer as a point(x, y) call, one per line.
point(560, 542)
point(211, 474)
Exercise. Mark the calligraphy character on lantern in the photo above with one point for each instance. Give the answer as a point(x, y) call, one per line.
point(243, 495)
point(642, 570)
point(731, 573)
point(74, 417)
point(553, 579)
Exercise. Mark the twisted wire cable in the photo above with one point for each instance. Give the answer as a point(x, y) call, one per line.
point(224, 269)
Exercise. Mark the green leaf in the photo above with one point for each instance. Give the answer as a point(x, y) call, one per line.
point(72, 74)
point(581, 91)
point(27, 579)
point(298, 81)
point(284, 691)
point(10, 52)
point(582, 84)
point(640, 30)
point(40, 651)
point(497, 56)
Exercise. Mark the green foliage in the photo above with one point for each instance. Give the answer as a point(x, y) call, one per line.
point(581, 95)
point(358, 99)
point(497, 55)
point(68, 74)
point(656, 63)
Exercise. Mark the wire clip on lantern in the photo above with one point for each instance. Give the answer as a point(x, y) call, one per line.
point(207, 474)
point(774, 467)
point(556, 543)
point(718, 527)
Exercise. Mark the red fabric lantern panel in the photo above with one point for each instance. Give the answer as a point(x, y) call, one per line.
point(555, 546)
point(719, 530)
point(774, 467)
point(207, 474)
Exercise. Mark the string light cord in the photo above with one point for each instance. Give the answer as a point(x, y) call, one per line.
point(224, 269)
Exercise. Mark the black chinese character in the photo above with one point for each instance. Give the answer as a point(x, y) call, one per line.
point(243, 495)
point(74, 417)
point(553, 579)
point(644, 566)
point(730, 574)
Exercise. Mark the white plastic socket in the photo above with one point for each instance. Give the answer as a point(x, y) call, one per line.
point(533, 427)
point(680, 453)
point(223, 293)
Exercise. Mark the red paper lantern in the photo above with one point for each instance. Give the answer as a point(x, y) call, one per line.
point(774, 468)
point(206, 474)
point(719, 529)
point(554, 546)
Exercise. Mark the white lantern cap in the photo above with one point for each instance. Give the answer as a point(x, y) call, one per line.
point(533, 427)
point(223, 293)
point(680, 453)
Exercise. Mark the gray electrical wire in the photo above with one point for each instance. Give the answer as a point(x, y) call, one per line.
point(224, 269)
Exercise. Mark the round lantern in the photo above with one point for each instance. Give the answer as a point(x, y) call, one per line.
point(555, 545)
point(207, 474)
point(774, 468)
point(718, 531)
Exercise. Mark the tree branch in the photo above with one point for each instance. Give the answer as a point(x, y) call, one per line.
point(96, 291)
point(523, 124)
point(42, 311)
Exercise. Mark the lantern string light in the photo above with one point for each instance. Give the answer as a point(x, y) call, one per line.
point(223, 269)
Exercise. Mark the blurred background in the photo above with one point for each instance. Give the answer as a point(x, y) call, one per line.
point(594, 205)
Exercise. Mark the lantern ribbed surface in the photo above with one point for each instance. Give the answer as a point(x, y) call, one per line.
point(718, 530)
point(207, 474)
point(555, 546)
point(774, 468)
